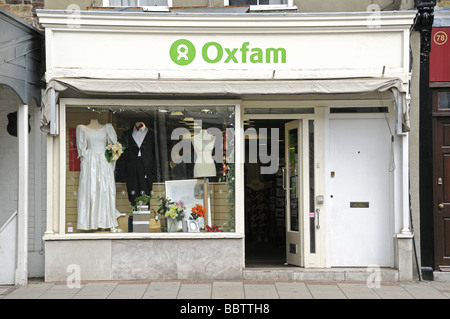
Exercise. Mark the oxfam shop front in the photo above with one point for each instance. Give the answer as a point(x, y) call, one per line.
point(186, 147)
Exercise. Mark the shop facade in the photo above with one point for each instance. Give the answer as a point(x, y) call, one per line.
point(290, 131)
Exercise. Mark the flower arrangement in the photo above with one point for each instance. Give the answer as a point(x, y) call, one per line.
point(176, 211)
point(213, 229)
point(113, 152)
point(198, 211)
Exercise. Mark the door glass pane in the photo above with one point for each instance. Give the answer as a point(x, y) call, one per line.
point(312, 189)
point(444, 100)
point(292, 178)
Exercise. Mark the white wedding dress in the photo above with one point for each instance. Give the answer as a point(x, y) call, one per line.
point(97, 188)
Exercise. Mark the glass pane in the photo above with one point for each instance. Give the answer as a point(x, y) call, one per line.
point(293, 178)
point(290, 110)
point(444, 100)
point(242, 2)
point(137, 3)
point(273, 2)
point(178, 154)
point(312, 227)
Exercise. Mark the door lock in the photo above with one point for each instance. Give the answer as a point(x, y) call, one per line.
point(439, 181)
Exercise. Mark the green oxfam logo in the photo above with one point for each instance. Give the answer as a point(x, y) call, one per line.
point(182, 52)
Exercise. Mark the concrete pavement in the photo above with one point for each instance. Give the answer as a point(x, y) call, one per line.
point(228, 290)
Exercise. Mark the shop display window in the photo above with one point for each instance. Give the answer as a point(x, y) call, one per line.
point(149, 169)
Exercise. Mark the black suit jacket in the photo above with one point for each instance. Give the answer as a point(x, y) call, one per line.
point(148, 156)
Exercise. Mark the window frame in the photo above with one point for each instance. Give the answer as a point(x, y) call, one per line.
point(149, 8)
point(268, 7)
point(56, 201)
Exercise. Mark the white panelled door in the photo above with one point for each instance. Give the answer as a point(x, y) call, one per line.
point(360, 166)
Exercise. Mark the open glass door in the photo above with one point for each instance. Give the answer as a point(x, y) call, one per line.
point(291, 184)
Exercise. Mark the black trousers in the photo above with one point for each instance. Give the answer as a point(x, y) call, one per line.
point(137, 182)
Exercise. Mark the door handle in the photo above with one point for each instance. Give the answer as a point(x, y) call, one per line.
point(441, 206)
point(283, 170)
point(317, 213)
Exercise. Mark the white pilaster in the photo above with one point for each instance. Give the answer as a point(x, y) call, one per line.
point(21, 278)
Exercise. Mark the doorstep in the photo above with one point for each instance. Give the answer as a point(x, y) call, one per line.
point(317, 274)
point(441, 276)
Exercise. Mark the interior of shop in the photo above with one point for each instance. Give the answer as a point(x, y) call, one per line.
point(265, 241)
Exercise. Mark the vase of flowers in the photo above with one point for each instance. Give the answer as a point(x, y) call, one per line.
point(174, 216)
point(198, 213)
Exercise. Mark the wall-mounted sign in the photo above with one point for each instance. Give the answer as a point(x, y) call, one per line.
point(440, 55)
point(184, 52)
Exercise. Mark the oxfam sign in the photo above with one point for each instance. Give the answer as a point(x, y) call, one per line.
point(183, 52)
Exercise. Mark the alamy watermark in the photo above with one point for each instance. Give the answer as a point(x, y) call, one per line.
point(374, 278)
point(258, 149)
point(74, 19)
point(74, 278)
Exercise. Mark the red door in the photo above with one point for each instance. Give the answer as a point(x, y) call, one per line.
point(442, 192)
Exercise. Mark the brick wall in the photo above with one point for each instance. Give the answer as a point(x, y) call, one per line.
point(23, 9)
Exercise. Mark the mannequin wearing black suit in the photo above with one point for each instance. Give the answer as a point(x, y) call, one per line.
point(140, 164)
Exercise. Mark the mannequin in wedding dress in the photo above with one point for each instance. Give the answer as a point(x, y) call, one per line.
point(203, 146)
point(96, 202)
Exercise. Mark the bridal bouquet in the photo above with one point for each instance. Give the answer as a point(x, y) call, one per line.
point(113, 152)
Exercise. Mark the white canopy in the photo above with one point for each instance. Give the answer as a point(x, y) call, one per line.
point(222, 88)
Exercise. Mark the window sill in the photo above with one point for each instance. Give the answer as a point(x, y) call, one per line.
point(141, 236)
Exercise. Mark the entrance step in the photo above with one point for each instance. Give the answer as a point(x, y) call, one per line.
point(441, 276)
point(318, 274)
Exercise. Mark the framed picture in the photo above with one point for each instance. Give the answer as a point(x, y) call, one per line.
point(189, 191)
point(191, 226)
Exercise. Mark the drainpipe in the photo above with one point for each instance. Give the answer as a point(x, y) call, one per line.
point(423, 24)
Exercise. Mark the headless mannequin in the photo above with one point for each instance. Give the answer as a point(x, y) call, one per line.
point(203, 145)
point(94, 124)
point(139, 134)
point(139, 159)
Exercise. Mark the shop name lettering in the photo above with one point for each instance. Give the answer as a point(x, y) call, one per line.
point(183, 52)
point(182, 151)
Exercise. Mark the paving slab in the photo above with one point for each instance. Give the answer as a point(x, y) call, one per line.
point(96, 290)
point(33, 291)
point(326, 291)
point(128, 291)
point(162, 290)
point(61, 292)
point(228, 290)
point(358, 291)
point(195, 291)
point(260, 291)
point(393, 291)
point(423, 290)
point(293, 290)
